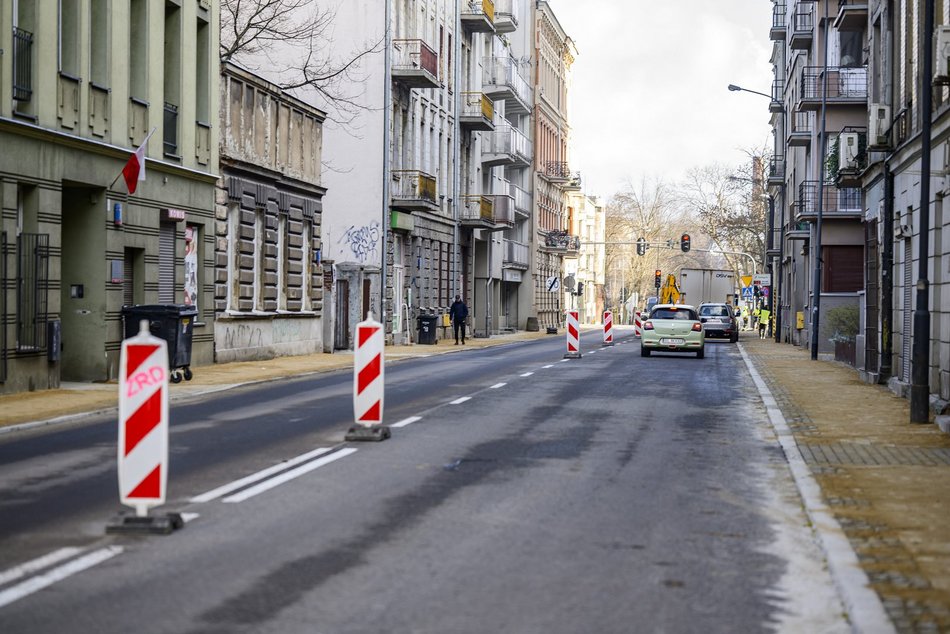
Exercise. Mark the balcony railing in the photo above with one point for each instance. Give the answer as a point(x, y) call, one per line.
point(22, 65)
point(504, 211)
point(414, 189)
point(776, 170)
point(516, 254)
point(415, 64)
point(506, 15)
point(477, 210)
point(507, 146)
point(501, 79)
point(522, 200)
point(803, 25)
point(845, 85)
point(778, 21)
point(478, 111)
point(478, 16)
point(170, 127)
point(778, 94)
point(800, 129)
point(835, 201)
point(557, 170)
point(562, 241)
point(852, 15)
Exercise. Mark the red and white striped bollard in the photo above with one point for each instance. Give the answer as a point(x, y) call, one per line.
point(637, 323)
point(608, 328)
point(573, 336)
point(368, 382)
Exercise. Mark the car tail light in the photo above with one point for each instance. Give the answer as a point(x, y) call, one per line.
point(648, 325)
point(697, 327)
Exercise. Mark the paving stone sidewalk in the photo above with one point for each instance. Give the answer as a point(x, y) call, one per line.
point(886, 480)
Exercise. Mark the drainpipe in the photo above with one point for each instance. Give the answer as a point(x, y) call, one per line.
point(769, 243)
point(887, 276)
point(456, 151)
point(387, 124)
point(920, 359)
point(816, 284)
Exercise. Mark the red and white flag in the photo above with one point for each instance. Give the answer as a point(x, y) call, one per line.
point(134, 170)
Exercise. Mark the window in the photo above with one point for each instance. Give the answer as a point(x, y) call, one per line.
point(166, 263)
point(99, 42)
point(233, 291)
point(69, 37)
point(172, 85)
point(202, 72)
point(138, 49)
point(32, 279)
point(842, 269)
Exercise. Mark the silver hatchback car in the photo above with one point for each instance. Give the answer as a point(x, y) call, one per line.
point(719, 321)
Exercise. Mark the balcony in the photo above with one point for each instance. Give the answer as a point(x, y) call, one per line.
point(22, 65)
point(573, 183)
point(478, 112)
point(522, 200)
point(478, 16)
point(848, 157)
point(477, 212)
point(803, 26)
point(561, 242)
point(836, 203)
point(556, 171)
point(415, 65)
point(779, 26)
point(852, 15)
point(507, 146)
point(845, 86)
point(799, 230)
point(414, 190)
point(776, 174)
point(516, 255)
point(778, 94)
point(504, 215)
point(501, 79)
point(506, 15)
point(800, 129)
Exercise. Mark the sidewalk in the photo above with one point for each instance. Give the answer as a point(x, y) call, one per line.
point(885, 480)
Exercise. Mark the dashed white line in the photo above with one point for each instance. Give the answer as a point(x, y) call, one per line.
point(461, 400)
point(545, 367)
point(37, 564)
point(497, 385)
point(47, 579)
point(260, 475)
point(189, 517)
point(527, 374)
point(407, 421)
point(267, 485)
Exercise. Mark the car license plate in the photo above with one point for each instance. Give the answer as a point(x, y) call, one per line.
point(671, 342)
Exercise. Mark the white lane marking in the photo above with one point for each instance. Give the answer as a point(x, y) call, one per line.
point(267, 485)
point(188, 517)
point(461, 400)
point(592, 352)
point(260, 475)
point(497, 385)
point(527, 374)
point(561, 361)
point(407, 421)
point(545, 367)
point(47, 579)
point(37, 564)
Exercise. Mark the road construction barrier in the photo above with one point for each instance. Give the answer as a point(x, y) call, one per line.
point(573, 336)
point(368, 384)
point(608, 328)
point(637, 324)
point(143, 421)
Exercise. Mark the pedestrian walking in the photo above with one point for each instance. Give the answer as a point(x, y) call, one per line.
point(458, 312)
point(764, 316)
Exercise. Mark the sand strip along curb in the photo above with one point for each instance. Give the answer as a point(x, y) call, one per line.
point(865, 610)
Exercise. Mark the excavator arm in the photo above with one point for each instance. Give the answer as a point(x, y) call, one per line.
point(670, 292)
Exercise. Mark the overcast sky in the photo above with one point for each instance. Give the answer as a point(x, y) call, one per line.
point(649, 94)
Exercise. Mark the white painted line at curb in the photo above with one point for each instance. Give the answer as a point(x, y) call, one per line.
point(461, 400)
point(864, 607)
point(407, 421)
point(260, 475)
point(545, 367)
point(37, 583)
point(267, 485)
point(527, 374)
point(38, 564)
point(497, 385)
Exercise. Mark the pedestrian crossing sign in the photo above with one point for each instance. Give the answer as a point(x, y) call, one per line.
point(747, 293)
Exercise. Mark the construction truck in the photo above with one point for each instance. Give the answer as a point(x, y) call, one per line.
point(670, 291)
point(698, 286)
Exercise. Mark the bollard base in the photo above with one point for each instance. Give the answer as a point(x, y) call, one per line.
point(607, 344)
point(148, 525)
point(572, 355)
point(362, 433)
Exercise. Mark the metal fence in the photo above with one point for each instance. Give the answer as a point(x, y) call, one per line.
point(22, 65)
point(32, 279)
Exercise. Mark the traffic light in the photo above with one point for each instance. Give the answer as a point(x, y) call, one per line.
point(580, 288)
point(656, 278)
point(641, 246)
point(684, 242)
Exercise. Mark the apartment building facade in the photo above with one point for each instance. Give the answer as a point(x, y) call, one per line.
point(586, 219)
point(870, 93)
point(554, 53)
point(76, 246)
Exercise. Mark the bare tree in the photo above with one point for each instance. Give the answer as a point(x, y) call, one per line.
point(293, 41)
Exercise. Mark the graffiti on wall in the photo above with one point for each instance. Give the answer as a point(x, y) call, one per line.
point(363, 241)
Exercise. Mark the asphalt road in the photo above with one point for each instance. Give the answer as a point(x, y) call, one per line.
point(520, 492)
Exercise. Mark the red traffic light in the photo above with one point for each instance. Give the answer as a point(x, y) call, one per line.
point(684, 242)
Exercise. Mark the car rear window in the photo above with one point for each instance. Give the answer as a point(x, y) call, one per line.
point(673, 313)
point(714, 311)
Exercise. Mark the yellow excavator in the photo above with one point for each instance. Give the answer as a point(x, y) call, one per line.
point(670, 291)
